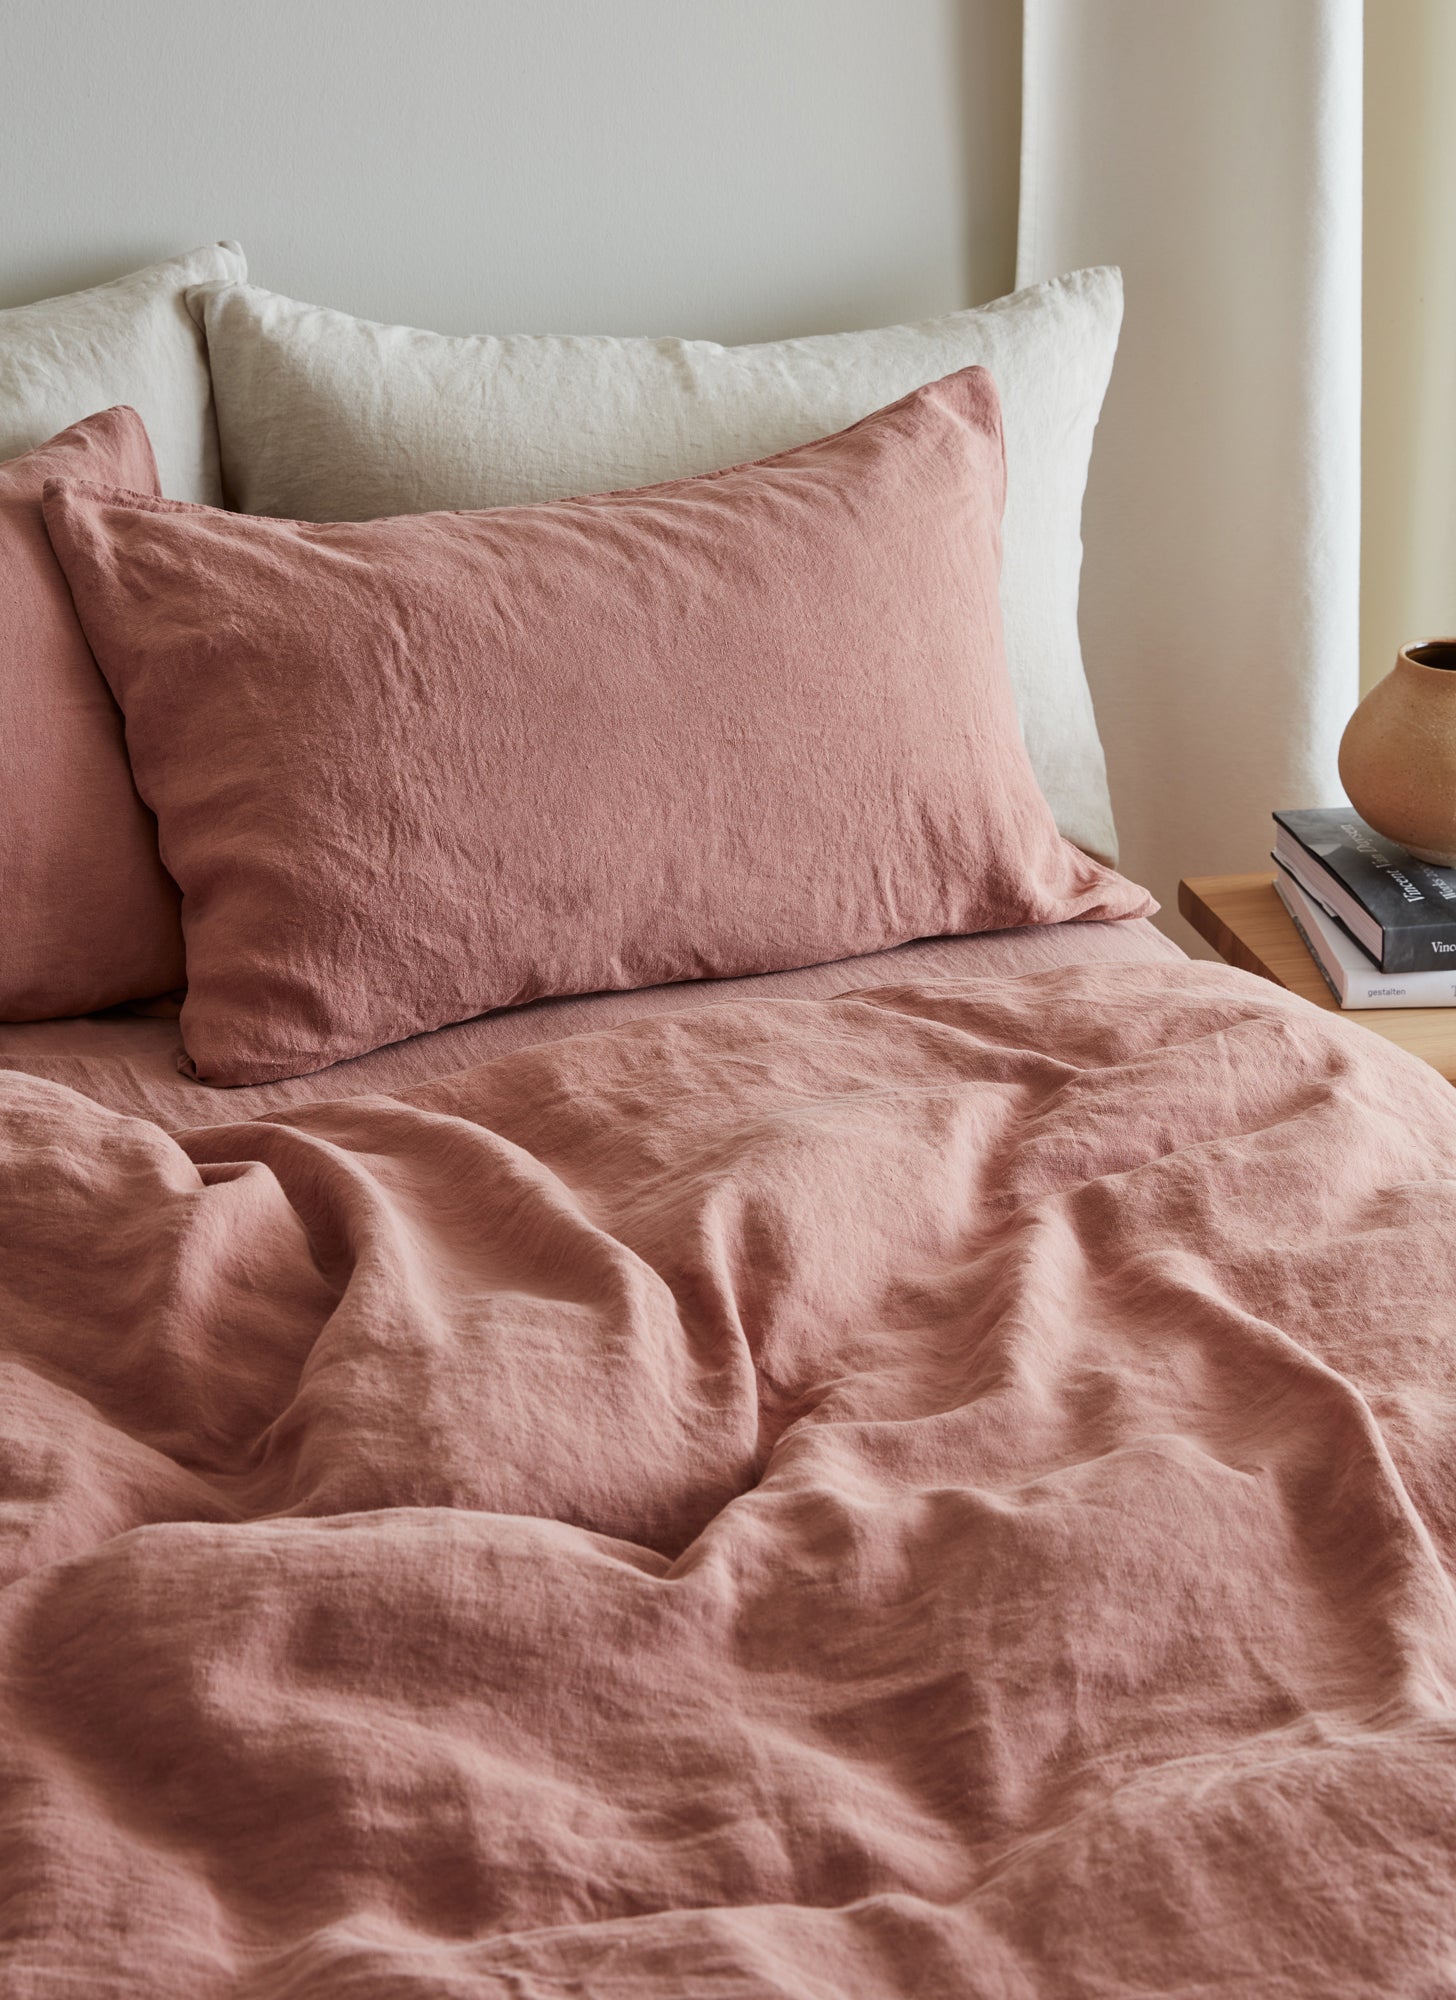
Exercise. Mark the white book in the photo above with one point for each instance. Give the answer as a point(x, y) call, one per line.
point(1351, 975)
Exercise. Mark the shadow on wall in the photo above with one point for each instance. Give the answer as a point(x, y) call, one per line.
point(988, 79)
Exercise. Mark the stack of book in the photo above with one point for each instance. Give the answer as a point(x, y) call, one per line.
point(1380, 925)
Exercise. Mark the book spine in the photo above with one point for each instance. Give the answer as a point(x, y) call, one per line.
point(1379, 995)
point(1423, 948)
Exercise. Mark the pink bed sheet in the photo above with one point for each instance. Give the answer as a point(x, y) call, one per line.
point(945, 1492)
point(131, 1064)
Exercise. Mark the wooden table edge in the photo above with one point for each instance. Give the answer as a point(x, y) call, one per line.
point(1242, 917)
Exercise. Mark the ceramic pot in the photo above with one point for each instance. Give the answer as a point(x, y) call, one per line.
point(1398, 753)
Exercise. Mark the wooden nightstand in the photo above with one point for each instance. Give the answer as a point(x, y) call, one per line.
point(1243, 919)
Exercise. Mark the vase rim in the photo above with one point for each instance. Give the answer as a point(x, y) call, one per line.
point(1410, 654)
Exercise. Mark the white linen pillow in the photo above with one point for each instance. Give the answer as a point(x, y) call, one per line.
point(130, 342)
point(324, 417)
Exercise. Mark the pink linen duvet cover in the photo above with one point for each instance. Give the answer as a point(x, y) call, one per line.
point(944, 1491)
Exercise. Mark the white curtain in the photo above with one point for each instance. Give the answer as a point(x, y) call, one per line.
point(1212, 149)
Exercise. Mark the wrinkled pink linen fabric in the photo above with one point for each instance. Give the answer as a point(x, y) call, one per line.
point(88, 915)
point(409, 770)
point(131, 1064)
point(948, 1491)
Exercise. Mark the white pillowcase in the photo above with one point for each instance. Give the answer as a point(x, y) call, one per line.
point(326, 417)
point(132, 341)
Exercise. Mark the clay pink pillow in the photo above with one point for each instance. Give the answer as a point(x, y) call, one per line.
point(88, 916)
point(412, 769)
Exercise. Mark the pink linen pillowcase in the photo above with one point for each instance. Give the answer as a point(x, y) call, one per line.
point(413, 769)
point(88, 915)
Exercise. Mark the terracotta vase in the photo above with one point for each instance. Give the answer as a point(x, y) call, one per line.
point(1398, 753)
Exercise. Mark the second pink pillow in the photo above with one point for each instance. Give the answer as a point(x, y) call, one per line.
point(409, 770)
point(88, 916)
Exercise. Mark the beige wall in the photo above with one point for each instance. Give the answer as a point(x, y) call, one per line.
point(732, 168)
point(1408, 561)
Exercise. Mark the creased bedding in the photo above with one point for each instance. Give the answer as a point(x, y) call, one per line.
point(129, 1063)
point(942, 1491)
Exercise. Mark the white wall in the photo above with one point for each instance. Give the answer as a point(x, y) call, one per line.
point(738, 169)
point(1408, 561)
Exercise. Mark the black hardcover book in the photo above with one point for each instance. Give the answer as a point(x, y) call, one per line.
point(1401, 910)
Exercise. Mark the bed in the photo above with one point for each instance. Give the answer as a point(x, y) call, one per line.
point(127, 1060)
point(925, 1472)
point(944, 1487)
